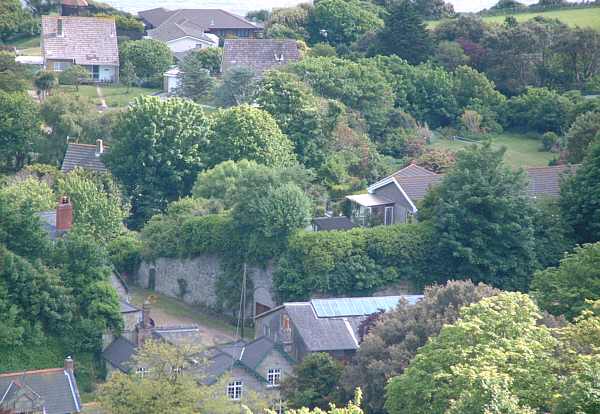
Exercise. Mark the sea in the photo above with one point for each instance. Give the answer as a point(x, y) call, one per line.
point(243, 7)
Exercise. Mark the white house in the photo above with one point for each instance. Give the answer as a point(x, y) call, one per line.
point(183, 36)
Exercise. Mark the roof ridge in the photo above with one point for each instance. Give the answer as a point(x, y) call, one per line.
point(37, 371)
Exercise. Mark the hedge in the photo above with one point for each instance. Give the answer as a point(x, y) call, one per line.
point(354, 262)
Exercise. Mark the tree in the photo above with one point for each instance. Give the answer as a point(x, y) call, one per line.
point(481, 221)
point(96, 207)
point(36, 194)
point(12, 74)
point(196, 81)
point(508, 4)
point(314, 382)
point(44, 82)
point(405, 34)
point(15, 20)
point(157, 152)
point(238, 87)
point(19, 130)
point(564, 290)
point(551, 233)
point(394, 338)
point(299, 114)
point(539, 109)
point(579, 196)
point(245, 132)
point(353, 407)
point(73, 75)
point(342, 22)
point(128, 75)
point(149, 57)
point(450, 55)
point(494, 358)
point(208, 58)
point(581, 134)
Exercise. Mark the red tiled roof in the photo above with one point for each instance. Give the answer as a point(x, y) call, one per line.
point(413, 170)
point(545, 181)
point(85, 40)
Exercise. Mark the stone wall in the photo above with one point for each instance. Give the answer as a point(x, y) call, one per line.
point(164, 275)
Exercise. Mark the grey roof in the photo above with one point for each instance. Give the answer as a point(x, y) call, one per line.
point(85, 40)
point(413, 170)
point(119, 353)
point(545, 181)
point(333, 223)
point(417, 187)
point(322, 334)
point(172, 30)
point(207, 19)
point(128, 307)
point(83, 156)
point(56, 387)
point(258, 54)
point(48, 222)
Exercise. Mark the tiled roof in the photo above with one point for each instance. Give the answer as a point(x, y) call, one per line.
point(205, 18)
point(83, 156)
point(86, 40)
point(56, 387)
point(178, 335)
point(333, 223)
point(258, 54)
point(545, 181)
point(413, 170)
point(48, 222)
point(417, 187)
point(172, 30)
point(119, 354)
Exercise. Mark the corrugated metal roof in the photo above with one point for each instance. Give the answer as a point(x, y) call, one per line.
point(330, 308)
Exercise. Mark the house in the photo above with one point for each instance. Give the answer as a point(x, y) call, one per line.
point(323, 325)
point(44, 391)
point(395, 198)
point(85, 156)
point(259, 54)
point(87, 41)
point(217, 22)
point(182, 36)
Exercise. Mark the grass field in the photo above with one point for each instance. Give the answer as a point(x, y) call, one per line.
point(589, 17)
point(521, 150)
point(28, 45)
point(115, 96)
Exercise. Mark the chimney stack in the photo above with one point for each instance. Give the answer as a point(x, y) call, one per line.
point(99, 147)
point(64, 214)
point(69, 364)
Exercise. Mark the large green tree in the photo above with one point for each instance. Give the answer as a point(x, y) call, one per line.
point(495, 357)
point(156, 152)
point(150, 58)
point(539, 109)
point(238, 87)
point(392, 340)
point(563, 290)
point(245, 132)
point(481, 221)
point(16, 20)
point(405, 34)
point(579, 197)
point(314, 382)
point(196, 80)
point(19, 129)
point(343, 21)
point(583, 131)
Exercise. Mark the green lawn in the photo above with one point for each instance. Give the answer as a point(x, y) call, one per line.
point(521, 150)
point(115, 96)
point(27, 45)
point(589, 17)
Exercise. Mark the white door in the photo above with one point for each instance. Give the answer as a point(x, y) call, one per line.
point(389, 216)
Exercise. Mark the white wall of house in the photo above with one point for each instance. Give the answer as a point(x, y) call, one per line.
point(108, 73)
point(188, 43)
point(172, 83)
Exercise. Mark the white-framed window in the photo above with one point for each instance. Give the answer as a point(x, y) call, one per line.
point(235, 389)
point(60, 66)
point(176, 370)
point(274, 377)
point(142, 371)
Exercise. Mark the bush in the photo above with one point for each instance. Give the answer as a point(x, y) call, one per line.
point(351, 262)
point(125, 252)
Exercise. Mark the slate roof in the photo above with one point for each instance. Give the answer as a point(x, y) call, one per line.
point(119, 353)
point(127, 307)
point(205, 18)
point(545, 181)
point(48, 222)
point(172, 30)
point(416, 187)
point(413, 170)
point(56, 387)
point(83, 156)
point(85, 40)
point(258, 54)
point(333, 223)
point(178, 335)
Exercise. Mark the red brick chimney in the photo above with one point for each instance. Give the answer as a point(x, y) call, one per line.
point(69, 364)
point(64, 214)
